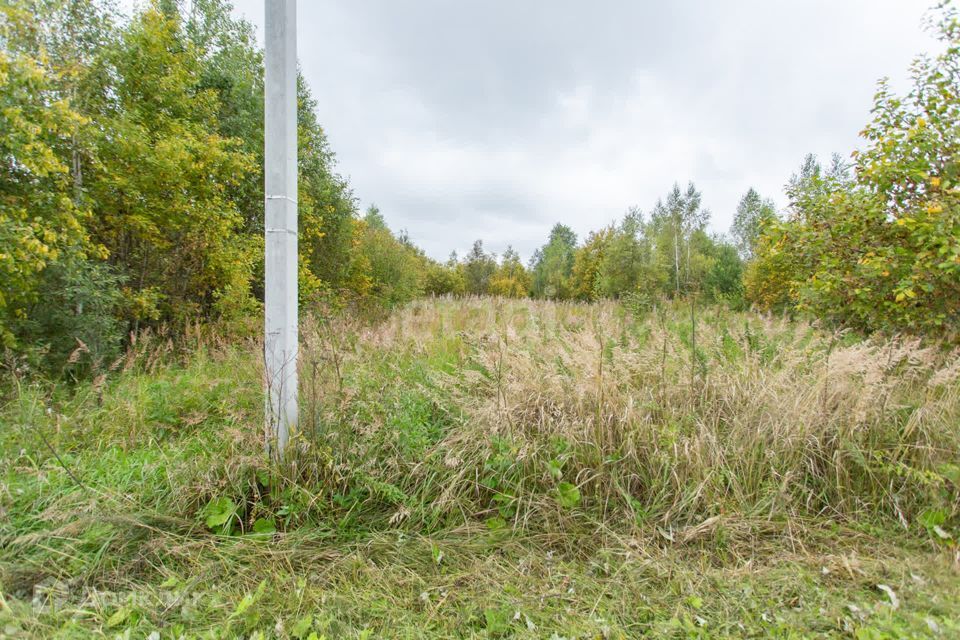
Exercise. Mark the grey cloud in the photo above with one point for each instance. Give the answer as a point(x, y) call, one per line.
point(496, 119)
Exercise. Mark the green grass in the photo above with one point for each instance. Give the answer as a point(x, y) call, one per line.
point(494, 469)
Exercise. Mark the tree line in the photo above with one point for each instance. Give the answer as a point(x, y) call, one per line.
point(131, 196)
point(668, 253)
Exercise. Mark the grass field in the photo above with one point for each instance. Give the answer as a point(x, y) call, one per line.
point(494, 469)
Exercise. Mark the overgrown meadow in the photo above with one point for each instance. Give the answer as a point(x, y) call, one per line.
point(493, 468)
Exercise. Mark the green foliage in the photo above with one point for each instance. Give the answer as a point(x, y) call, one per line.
point(393, 265)
point(135, 154)
point(220, 514)
point(568, 495)
point(625, 264)
point(769, 278)
point(41, 220)
point(552, 264)
point(74, 323)
point(327, 207)
point(753, 213)
point(444, 279)
point(511, 279)
point(675, 221)
point(669, 256)
point(723, 282)
point(479, 268)
point(879, 249)
point(587, 264)
point(161, 178)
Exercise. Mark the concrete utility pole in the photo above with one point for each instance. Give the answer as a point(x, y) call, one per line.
point(280, 222)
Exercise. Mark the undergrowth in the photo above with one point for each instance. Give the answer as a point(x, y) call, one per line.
point(494, 468)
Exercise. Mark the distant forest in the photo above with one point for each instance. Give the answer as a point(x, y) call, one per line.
point(131, 196)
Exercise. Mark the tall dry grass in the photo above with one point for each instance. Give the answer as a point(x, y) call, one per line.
point(490, 429)
point(755, 418)
point(535, 416)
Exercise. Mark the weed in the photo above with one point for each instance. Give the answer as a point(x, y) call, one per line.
point(470, 468)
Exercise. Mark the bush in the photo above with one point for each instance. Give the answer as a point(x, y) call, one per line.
point(879, 249)
point(74, 325)
point(442, 280)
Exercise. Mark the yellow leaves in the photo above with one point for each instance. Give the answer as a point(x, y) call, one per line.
point(921, 122)
point(143, 304)
point(885, 273)
point(935, 182)
point(906, 294)
point(100, 251)
point(934, 208)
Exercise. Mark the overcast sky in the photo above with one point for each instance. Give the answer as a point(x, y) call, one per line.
point(496, 119)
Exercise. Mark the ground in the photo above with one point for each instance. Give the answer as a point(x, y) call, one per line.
point(493, 469)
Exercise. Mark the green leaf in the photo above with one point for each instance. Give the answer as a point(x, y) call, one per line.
point(245, 603)
point(170, 582)
point(932, 518)
point(555, 467)
point(301, 627)
point(219, 511)
point(264, 526)
point(568, 495)
point(119, 617)
point(497, 621)
point(951, 472)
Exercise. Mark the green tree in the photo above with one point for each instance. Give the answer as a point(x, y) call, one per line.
point(233, 68)
point(41, 221)
point(445, 279)
point(133, 155)
point(588, 262)
point(723, 282)
point(479, 268)
point(674, 222)
point(394, 266)
point(552, 264)
point(161, 184)
point(511, 278)
point(879, 248)
point(626, 261)
point(753, 213)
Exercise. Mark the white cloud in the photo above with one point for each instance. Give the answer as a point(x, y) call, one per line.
point(497, 119)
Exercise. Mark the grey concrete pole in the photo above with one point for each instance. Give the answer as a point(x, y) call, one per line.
point(280, 222)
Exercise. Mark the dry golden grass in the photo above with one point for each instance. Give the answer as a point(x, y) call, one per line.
point(652, 418)
point(496, 468)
